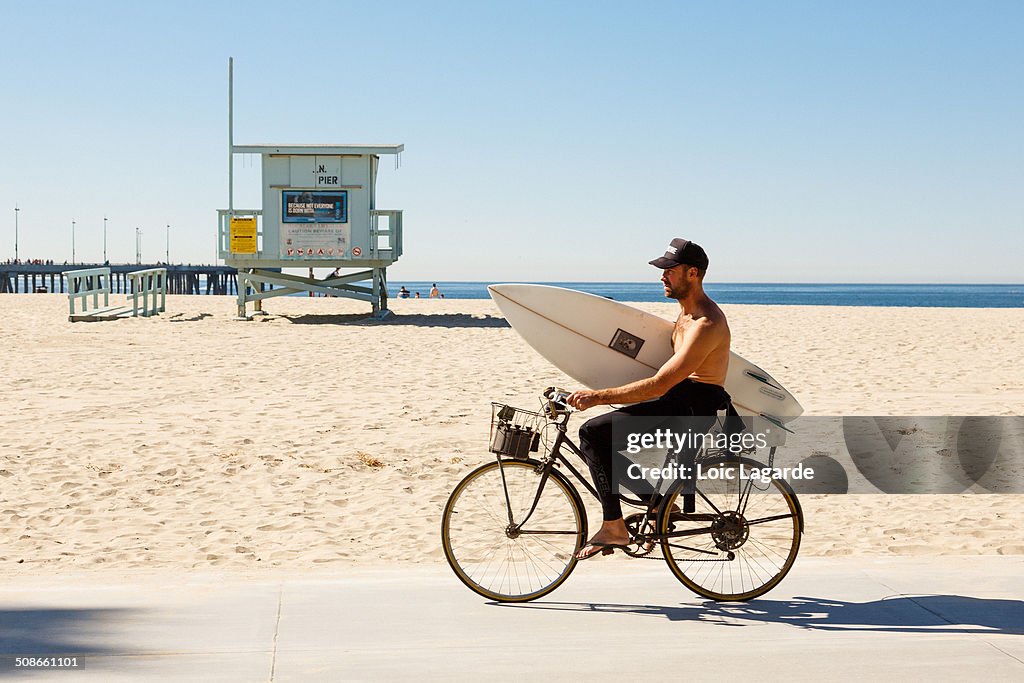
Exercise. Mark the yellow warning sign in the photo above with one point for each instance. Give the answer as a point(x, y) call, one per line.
point(243, 235)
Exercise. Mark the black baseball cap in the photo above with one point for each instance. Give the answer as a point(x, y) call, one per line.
point(682, 252)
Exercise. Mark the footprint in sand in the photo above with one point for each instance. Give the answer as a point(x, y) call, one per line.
point(911, 549)
point(1011, 550)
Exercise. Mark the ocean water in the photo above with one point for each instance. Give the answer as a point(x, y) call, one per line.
point(954, 296)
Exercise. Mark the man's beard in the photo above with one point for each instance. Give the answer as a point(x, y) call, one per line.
point(680, 291)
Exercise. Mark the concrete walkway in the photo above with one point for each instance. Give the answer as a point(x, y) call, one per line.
point(935, 619)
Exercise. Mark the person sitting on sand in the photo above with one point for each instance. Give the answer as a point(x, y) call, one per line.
point(403, 293)
point(434, 292)
point(690, 383)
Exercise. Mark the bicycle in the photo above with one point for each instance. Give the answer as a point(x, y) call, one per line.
point(511, 528)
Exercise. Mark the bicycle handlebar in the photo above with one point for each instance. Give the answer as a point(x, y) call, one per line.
point(556, 397)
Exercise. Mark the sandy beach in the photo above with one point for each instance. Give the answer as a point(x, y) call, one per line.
point(313, 437)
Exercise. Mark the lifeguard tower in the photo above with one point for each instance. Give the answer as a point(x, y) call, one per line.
point(319, 209)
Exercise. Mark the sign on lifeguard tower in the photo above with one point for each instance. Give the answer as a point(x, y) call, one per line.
point(243, 235)
point(319, 209)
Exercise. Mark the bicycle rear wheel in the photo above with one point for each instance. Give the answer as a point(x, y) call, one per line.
point(742, 538)
point(513, 561)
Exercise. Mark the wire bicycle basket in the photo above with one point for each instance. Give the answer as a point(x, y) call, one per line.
point(514, 432)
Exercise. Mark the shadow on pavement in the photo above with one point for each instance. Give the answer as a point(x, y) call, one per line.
point(900, 614)
point(49, 632)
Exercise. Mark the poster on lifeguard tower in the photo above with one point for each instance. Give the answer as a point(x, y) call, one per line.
point(314, 225)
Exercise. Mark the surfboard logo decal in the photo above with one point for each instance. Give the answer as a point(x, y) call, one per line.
point(626, 343)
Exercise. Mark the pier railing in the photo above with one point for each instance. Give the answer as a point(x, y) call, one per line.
point(181, 279)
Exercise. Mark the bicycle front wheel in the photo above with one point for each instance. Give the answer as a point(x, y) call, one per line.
point(742, 538)
point(504, 547)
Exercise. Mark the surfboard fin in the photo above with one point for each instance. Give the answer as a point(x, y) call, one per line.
point(777, 423)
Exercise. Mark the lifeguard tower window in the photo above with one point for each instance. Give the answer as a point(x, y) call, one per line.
point(319, 209)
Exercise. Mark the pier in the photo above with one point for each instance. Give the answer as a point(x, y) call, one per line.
point(181, 279)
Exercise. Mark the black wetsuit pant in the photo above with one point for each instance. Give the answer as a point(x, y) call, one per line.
point(603, 435)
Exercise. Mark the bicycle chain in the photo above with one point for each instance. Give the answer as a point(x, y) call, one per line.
point(649, 554)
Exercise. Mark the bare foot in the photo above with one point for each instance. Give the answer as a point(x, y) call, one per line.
point(611, 535)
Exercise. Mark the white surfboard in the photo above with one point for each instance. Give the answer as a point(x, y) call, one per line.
point(603, 343)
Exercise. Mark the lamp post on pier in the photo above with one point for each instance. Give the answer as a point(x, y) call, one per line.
point(16, 210)
point(72, 241)
point(104, 239)
point(167, 256)
point(138, 246)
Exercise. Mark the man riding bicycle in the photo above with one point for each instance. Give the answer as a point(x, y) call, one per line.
point(690, 383)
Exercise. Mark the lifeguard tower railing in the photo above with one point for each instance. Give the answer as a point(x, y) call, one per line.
point(386, 241)
point(224, 230)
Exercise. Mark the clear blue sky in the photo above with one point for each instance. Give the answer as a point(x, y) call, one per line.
point(797, 141)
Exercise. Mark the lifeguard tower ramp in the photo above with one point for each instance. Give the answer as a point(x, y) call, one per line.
point(319, 210)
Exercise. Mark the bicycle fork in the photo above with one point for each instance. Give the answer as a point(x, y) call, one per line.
point(513, 527)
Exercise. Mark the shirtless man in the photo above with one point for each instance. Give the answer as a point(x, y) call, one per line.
point(690, 383)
